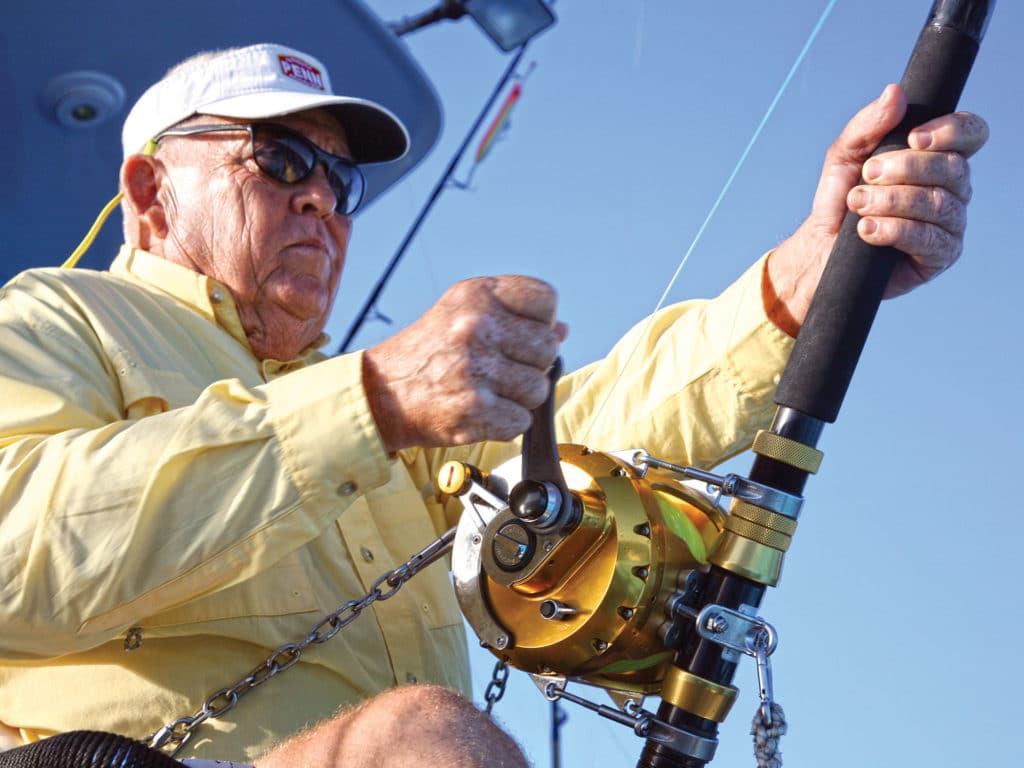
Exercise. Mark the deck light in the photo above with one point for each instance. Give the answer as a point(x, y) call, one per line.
point(509, 23)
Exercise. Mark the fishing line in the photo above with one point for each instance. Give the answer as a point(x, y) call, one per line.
point(638, 37)
point(718, 201)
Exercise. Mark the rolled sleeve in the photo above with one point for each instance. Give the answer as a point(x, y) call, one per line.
point(691, 383)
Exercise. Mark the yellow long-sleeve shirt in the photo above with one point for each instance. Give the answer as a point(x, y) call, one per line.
point(155, 475)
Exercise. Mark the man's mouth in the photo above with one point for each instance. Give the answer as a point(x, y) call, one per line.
point(310, 258)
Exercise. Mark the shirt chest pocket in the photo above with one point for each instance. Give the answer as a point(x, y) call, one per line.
point(283, 589)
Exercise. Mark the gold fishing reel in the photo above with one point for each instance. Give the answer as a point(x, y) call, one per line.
point(582, 597)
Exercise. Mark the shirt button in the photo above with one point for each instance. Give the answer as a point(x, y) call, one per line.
point(410, 678)
point(347, 488)
point(367, 554)
point(216, 295)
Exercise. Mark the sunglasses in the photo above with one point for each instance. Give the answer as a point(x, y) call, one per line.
point(289, 157)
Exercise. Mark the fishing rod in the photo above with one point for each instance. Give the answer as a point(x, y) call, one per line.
point(748, 557)
point(620, 570)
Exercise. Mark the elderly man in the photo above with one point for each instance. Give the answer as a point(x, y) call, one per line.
point(187, 484)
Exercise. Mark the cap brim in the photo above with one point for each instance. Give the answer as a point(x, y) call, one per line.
point(374, 133)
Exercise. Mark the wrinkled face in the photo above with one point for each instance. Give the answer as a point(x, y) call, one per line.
point(279, 248)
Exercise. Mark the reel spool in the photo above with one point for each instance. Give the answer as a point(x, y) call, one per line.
point(584, 599)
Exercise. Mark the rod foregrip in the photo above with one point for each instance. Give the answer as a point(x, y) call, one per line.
point(844, 306)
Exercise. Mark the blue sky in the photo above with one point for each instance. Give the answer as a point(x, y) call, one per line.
point(901, 579)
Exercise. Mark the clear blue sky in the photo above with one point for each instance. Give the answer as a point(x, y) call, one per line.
point(898, 610)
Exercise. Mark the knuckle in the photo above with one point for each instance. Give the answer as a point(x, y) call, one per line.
point(967, 193)
point(885, 199)
point(471, 286)
point(951, 246)
point(889, 231)
point(536, 391)
point(965, 190)
point(924, 203)
point(473, 295)
point(937, 244)
point(504, 424)
point(460, 290)
point(517, 423)
point(927, 238)
point(914, 237)
point(528, 296)
point(461, 327)
point(956, 166)
point(952, 171)
point(472, 328)
point(531, 344)
point(463, 368)
point(542, 349)
point(836, 151)
point(476, 401)
point(950, 209)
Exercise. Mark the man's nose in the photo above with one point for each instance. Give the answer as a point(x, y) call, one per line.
point(314, 194)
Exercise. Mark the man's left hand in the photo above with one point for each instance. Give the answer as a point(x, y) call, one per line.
point(913, 199)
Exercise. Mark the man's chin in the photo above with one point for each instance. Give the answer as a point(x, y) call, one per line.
point(303, 298)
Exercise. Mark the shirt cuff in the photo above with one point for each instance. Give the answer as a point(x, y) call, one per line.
point(759, 348)
point(776, 311)
point(329, 441)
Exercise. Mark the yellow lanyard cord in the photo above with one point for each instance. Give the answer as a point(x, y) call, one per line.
point(94, 230)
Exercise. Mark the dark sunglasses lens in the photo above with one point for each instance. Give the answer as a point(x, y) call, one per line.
point(284, 157)
point(289, 158)
point(348, 185)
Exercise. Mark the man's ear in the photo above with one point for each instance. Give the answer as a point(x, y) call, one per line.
point(141, 177)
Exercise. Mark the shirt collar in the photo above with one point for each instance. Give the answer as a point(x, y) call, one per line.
point(206, 296)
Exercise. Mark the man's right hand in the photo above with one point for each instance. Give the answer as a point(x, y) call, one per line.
point(471, 369)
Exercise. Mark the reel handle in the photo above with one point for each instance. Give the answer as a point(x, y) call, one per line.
point(542, 499)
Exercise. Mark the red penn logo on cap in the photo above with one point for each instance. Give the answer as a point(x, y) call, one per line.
point(300, 70)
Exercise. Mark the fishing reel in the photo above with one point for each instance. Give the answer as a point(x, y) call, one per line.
point(574, 564)
point(576, 585)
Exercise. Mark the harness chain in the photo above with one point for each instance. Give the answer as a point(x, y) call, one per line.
point(496, 687)
point(173, 736)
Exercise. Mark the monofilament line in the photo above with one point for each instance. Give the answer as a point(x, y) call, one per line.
point(721, 196)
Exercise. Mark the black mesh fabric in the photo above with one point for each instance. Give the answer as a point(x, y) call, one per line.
point(86, 749)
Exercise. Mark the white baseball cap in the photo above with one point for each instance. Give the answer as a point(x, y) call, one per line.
point(258, 82)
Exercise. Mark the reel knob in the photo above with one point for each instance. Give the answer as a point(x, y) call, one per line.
point(535, 502)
